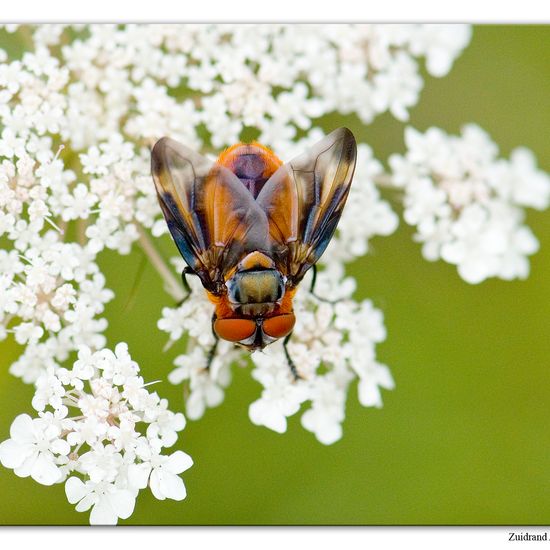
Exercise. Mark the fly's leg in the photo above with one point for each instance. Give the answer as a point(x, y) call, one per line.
point(311, 288)
point(212, 353)
point(291, 365)
point(186, 271)
point(313, 279)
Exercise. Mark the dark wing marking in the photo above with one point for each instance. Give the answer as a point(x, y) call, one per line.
point(304, 199)
point(212, 217)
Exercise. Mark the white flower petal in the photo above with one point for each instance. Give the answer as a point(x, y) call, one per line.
point(369, 394)
point(178, 462)
point(26, 467)
point(12, 453)
point(22, 429)
point(172, 486)
point(265, 414)
point(75, 490)
point(102, 513)
point(122, 502)
point(138, 475)
point(45, 471)
point(87, 502)
point(156, 485)
point(60, 447)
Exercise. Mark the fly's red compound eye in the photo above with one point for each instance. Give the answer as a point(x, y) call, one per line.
point(234, 330)
point(279, 325)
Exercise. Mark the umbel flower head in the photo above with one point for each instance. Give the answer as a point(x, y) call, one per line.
point(102, 432)
point(333, 343)
point(467, 204)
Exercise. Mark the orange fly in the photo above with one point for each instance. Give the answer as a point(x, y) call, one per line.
point(250, 227)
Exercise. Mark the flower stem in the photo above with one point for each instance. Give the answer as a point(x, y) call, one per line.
point(81, 226)
point(172, 285)
point(385, 181)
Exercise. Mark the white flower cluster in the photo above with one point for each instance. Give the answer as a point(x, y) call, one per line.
point(52, 291)
point(467, 204)
point(57, 211)
point(333, 343)
point(101, 432)
point(107, 92)
point(274, 77)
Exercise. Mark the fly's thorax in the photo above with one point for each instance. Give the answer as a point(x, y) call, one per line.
point(255, 292)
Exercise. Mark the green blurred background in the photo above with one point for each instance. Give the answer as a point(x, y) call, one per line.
point(465, 436)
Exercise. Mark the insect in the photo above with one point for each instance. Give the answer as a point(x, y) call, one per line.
point(250, 227)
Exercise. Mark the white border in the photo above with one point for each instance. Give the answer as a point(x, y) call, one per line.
point(266, 538)
point(526, 11)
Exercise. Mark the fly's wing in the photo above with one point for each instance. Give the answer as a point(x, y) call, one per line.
point(212, 217)
point(304, 199)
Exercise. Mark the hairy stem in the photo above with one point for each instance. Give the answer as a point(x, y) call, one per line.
point(63, 227)
point(172, 285)
point(81, 226)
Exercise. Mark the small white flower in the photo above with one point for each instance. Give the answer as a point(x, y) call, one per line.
point(160, 472)
point(95, 162)
point(166, 425)
point(32, 449)
point(79, 204)
point(102, 463)
point(327, 412)
point(373, 377)
point(27, 333)
point(279, 400)
point(107, 501)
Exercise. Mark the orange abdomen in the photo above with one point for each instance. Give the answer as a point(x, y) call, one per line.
point(252, 163)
